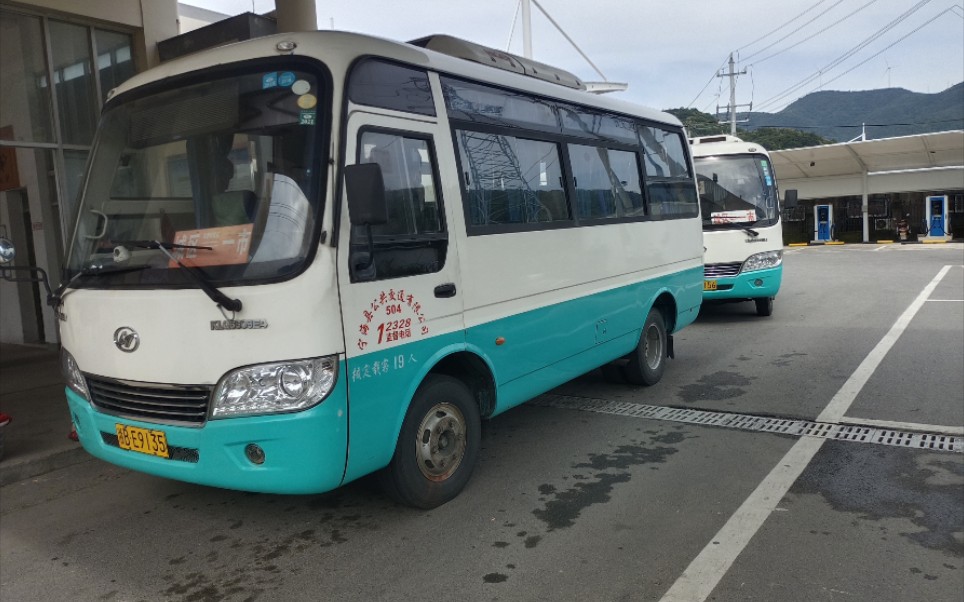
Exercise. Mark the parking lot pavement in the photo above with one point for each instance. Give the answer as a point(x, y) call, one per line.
point(32, 394)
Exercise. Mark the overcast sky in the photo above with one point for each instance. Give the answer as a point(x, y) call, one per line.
point(668, 50)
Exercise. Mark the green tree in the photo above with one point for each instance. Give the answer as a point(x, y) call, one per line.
point(698, 123)
point(782, 138)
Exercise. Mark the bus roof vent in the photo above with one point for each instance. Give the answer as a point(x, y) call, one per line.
point(483, 55)
point(708, 139)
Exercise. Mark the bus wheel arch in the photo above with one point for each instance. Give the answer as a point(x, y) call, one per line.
point(440, 438)
point(647, 361)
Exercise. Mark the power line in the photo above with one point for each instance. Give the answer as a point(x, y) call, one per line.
point(767, 35)
point(810, 37)
point(881, 51)
point(763, 37)
point(833, 64)
point(706, 85)
point(830, 8)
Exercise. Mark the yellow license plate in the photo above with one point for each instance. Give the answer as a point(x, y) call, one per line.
point(145, 441)
point(709, 285)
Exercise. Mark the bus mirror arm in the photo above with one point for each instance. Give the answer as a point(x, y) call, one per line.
point(9, 272)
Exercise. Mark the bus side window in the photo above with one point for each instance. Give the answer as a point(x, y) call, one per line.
point(414, 241)
point(669, 187)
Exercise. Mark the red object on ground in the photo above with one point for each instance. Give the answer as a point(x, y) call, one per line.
point(4, 419)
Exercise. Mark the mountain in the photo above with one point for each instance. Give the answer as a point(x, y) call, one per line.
point(839, 115)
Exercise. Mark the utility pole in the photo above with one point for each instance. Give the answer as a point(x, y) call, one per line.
point(731, 108)
point(526, 29)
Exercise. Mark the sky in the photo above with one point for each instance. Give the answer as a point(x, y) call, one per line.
point(669, 51)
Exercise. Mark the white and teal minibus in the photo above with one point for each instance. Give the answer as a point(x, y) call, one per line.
point(742, 231)
point(308, 257)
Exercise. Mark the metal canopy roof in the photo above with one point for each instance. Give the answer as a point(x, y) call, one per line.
point(923, 151)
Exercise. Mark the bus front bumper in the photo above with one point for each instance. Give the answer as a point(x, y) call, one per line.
point(304, 452)
point(748, 285)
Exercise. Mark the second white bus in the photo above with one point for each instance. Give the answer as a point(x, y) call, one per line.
point(742, 230)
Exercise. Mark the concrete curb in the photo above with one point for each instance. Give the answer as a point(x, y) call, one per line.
point(17, 469)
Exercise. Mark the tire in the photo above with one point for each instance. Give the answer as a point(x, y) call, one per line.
point(764, 306)
point(648, 361)
point(438, 445)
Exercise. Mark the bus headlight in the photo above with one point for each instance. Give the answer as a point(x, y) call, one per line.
point(73, 377)
point(762, 261)
point(275, 388)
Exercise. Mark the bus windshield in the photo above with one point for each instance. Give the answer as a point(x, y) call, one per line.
point(736, 191)
point(216, 176)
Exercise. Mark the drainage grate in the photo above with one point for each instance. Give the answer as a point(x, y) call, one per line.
point(783, 426)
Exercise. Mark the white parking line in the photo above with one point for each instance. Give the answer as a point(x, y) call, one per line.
point(835, 410)
point(705, 571)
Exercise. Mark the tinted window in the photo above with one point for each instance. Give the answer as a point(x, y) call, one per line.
point(414, 240)
point(669, 184)
point(409, 183)
point(484, 104)
point(577, 121)
point(606, 182)
point(390, 86)
point(511, 180)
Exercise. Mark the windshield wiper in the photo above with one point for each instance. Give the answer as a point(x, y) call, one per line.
point(209, 289)
point(156, 244)
point(222, 300)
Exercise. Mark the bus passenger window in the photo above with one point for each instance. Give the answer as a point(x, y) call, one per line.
point(606, 181)
point(511, 180)
point(669, 184)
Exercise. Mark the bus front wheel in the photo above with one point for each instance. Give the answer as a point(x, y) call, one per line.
point(438, 445)
point(764, 306)
point(648, 361)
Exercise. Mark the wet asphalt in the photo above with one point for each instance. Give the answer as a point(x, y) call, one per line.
point(571, 505)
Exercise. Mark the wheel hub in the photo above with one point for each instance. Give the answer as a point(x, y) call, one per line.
point(653, 348)
point(441, 442)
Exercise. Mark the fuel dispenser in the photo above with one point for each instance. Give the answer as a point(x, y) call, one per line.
point(822, 223)
point(937, 224)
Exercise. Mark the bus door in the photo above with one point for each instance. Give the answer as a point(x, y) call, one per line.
point(401, 295)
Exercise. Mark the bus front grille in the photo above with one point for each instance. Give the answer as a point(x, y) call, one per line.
point(721, 270)
point(151, 402)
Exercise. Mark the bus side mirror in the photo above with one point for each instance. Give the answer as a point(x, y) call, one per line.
point(7, 251)
point(367, 205)
point(790, 199)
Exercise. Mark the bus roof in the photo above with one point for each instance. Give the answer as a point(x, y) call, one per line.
point(706, 146)
point(338, 49)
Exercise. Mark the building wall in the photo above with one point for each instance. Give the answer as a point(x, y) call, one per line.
point(191, 17)
point(84, 48)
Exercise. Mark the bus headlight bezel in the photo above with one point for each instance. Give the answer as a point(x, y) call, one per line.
point(274, 388)
point(763, 261)
point(73, 377)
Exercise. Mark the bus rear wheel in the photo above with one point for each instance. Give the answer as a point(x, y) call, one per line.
point(764, 306)
point(648, 361)
point(438, 445)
